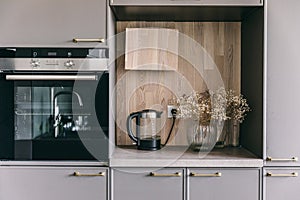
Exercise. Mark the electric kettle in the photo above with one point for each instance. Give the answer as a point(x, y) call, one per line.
point(148, 129)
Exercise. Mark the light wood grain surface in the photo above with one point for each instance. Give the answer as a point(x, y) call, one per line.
point(151, 49)
point(221, 40)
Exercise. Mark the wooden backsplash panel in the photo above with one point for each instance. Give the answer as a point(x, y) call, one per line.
point(151, 49)
point(222, 40)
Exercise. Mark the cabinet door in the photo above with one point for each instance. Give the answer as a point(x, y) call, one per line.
point(281, 184)
point(51, 23)
point(147, 184)
point(283, 82)
point(186, 2)
point(49, 183)
point(215, 184)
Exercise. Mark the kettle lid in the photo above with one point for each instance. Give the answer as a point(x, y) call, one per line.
point(150, 113)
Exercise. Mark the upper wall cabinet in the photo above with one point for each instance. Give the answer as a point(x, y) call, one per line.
point(187, 2)
point(44, 23)
point(184, 10)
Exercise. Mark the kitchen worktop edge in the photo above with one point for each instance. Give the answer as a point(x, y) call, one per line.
point(227, 157)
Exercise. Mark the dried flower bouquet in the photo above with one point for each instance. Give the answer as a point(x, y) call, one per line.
point(208, 105)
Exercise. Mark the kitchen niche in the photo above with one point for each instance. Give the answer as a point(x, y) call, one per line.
point(232, 36)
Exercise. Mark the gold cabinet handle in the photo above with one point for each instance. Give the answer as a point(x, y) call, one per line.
point(293, 174)
point(100, 40)
point(293, 159)
point(51, 77)
point(177, 174)
point(217, 174)
point(79, 174)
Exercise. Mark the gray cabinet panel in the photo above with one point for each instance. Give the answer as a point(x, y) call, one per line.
point(187, 2)
point(51, 23)
point(282, 185)
point(49, 183)
point(137, 184)
point(283, 69)
point(215, 184)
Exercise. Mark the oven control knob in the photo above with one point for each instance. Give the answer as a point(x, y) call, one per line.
point(69, 64)
point(35, 63)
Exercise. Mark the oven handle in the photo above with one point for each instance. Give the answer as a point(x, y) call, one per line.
point(52, 77)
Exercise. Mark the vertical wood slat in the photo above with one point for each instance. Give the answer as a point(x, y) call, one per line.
point(222, 40)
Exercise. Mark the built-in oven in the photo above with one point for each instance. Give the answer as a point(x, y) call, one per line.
point(54, 104)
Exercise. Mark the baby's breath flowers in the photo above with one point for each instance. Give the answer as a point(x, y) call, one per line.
point(196, 106)
point(237, 106)
point(219, 105)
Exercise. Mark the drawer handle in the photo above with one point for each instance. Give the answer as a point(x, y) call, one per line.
point(79, 174)
point(177, 174)
point(293, 174)
point(51, 77)
point(217, 174)
point(184, 0)
point(100, 40)
point(293, 159)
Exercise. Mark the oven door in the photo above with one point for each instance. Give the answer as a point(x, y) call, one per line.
point(56, 116)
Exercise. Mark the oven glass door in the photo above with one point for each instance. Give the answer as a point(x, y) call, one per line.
point(60, 116)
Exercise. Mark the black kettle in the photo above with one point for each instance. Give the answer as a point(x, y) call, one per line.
point(148, 129)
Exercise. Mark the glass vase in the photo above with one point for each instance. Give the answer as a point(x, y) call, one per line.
point(221, 126)
point(201, 137)
point(234, 138)
point(228, 134)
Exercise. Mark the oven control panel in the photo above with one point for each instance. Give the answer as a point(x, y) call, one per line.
point(53, 59)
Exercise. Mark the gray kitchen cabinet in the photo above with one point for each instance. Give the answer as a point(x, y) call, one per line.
point(49, 183)
point(186, 2)
point(231, 183)
point(147, 184)
point(281, 184)
point(44, 23)
point(282, 93)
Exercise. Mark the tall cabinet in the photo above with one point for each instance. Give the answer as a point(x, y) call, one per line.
point(283, 68)
point(282, 149)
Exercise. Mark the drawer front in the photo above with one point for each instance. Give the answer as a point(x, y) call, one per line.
point(213, 184)
point(49, 183)
point(147, 184)
point(281, 184)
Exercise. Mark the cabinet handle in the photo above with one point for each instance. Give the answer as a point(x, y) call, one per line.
point(79, 174)
point(51, 77)
point(217, 174)
point(177, 174)
point(100, 40)
point(184, 0)
point(293, 174)
point(293, 159)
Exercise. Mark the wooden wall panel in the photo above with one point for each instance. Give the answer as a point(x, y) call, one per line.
point(222, 40)
point(151, 49)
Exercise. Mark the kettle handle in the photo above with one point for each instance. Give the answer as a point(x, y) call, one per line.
point(129, 126)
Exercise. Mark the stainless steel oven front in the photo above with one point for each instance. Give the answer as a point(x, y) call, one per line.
point(57, 107)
